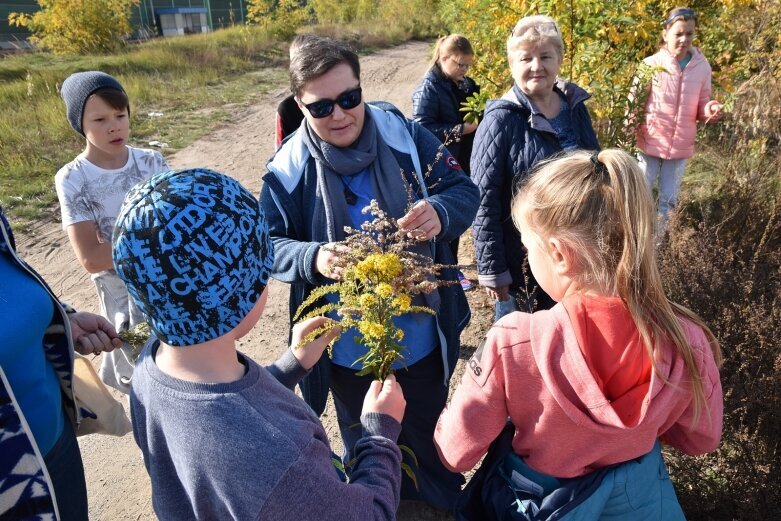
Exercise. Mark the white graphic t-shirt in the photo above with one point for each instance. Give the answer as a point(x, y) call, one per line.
point(90, 193)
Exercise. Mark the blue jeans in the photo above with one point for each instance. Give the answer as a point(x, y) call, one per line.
point(63, 462)
point(502, 308)
point(530, 301)
point(669, 173)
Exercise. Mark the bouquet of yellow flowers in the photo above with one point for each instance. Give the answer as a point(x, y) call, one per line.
point(380, 276)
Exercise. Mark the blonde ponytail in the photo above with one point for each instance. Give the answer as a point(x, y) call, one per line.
point(599, 206)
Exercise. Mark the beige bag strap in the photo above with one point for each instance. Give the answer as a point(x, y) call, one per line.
point(94, 399)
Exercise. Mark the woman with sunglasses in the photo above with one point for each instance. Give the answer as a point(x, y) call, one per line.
point(436, 104)
point(347, 153)
point(539, 116)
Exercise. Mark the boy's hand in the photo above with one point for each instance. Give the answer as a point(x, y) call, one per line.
point(308, 354)
point(92, 334)
point(385, 398)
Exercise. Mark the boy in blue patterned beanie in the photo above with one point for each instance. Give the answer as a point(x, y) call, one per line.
point(222, 437)
point(194, 250)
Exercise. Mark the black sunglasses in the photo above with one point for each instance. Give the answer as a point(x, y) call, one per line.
point(324, 107)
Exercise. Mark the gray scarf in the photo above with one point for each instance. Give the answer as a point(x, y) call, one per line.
point(332, 162)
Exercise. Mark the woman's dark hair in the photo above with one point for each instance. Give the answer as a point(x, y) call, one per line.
point(317, 55)
point(115, 98)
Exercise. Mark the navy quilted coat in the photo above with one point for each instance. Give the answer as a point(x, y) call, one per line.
point(436, 107)
point(512, 137)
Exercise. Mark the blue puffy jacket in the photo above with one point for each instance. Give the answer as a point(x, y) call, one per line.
point(288, 210)
point(510, 140)
point(436, 106)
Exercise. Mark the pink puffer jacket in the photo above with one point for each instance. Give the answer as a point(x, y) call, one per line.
point(676, 102)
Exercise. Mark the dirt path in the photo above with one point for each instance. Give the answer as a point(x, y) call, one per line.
point(117, 482)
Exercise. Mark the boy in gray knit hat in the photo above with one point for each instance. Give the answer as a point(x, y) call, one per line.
point(222, 437)
point(91, 189)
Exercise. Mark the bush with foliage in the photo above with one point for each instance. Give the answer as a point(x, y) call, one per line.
point(605, 41)
point(78, 26)
point(416, 17)
point(723, 260)
point(280, 17)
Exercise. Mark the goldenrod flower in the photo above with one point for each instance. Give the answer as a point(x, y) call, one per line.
point(368, 300)
point(371, 329)
point(378, 267)
point(384, 290)
point(402, 303)
point(389, 265)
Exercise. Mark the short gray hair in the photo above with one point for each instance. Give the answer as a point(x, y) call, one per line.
point(314, 56)
point(535, 30)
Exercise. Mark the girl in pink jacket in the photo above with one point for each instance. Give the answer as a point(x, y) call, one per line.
point(597, 379)
point(678, 98)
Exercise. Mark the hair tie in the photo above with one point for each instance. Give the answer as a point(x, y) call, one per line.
point(598, 167)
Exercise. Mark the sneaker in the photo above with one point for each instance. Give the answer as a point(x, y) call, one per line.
point(465, 284)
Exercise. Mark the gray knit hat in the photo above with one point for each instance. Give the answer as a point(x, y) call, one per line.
point(194, 250)
point(78, 87)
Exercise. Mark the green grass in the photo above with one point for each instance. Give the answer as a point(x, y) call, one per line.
point(194, 81)
point(190, 80)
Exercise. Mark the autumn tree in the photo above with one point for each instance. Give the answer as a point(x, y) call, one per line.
point(280, 17)
point(604, 43)
point(78, 26)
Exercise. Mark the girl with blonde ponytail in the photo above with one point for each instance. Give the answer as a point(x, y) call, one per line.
point(591, 384)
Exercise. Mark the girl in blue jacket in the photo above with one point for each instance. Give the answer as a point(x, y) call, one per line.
point(436, 104)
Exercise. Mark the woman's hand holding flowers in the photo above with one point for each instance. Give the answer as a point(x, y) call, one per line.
point(421, 222)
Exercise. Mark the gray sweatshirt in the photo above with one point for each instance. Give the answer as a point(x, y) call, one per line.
point(252, 449)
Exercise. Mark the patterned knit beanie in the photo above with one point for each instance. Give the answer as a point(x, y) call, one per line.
point(194, 250)
point(78, 87)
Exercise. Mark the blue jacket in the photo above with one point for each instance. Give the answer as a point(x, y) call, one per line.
point(288, 207)
point(436, 107)
point(512, 137)
point(505, 487)
point(20, 460)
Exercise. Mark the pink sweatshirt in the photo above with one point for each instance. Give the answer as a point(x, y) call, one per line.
point(531, 369)
point(675, 103)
